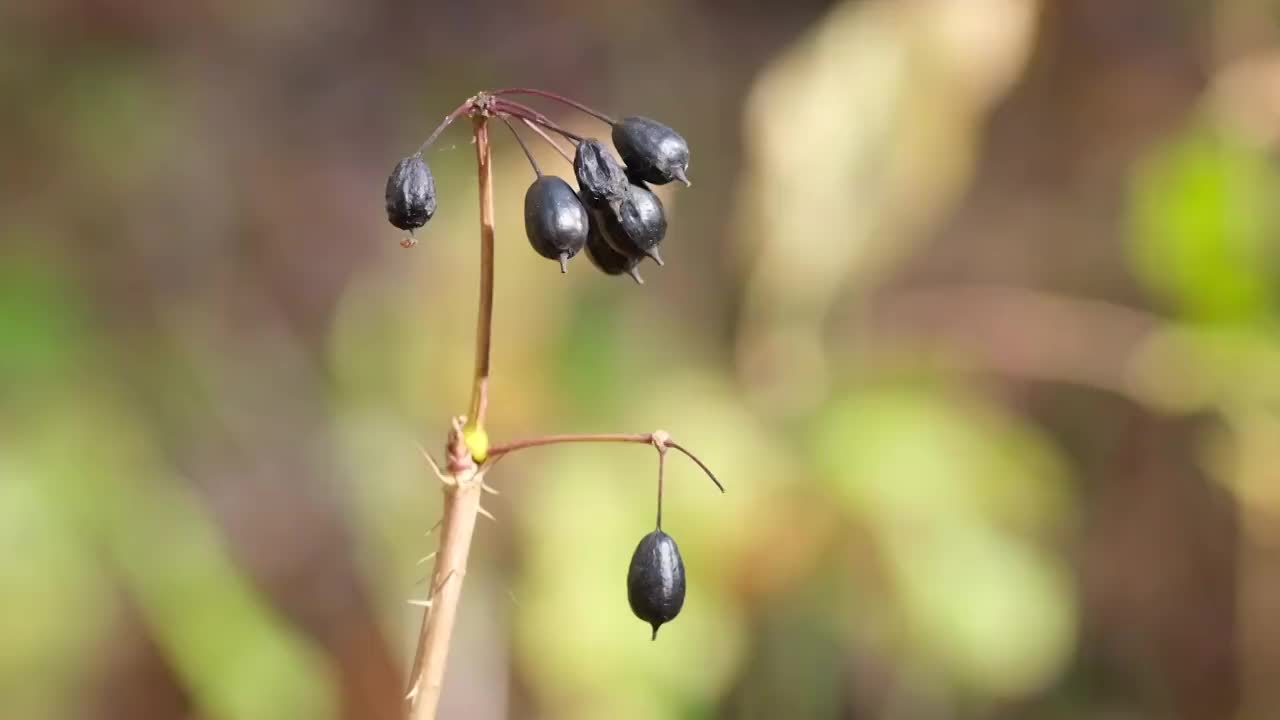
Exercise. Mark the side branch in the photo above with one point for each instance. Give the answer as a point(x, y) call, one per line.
point(659, 439)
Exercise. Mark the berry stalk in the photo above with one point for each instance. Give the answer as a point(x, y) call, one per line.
point(550, 140)
point(558, 98)
point(524, 111)
point(519, 140)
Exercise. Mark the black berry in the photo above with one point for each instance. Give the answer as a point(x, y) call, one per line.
point(636, 225)
point(605, 258)
point(655, 580)
point(555, 220)
point(411, 194)
point(652, 151)
point(601, 178)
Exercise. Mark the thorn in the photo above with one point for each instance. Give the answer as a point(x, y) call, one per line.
point(653, 253)
point(420, 603)
point(437, 588)
point(433, 528)
point(681, 176)
point(427, 558)
point(564, 263)
point(635, 275)
point(490, 490)
point(486, 513)
point(413, 693)
point(447, 480)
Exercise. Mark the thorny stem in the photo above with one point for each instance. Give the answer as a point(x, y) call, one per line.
point(536, 170)
point(658, 439)
point(522, 110)
point(558, 98)
point(550, 140)
point(464, 480)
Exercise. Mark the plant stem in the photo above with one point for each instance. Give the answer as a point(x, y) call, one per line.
point(658, 439)
point(524, 111)
point(550, 140)
point(465, 481)
point(448, 120)
point(662, 461)
point(510, 447)
point(528, 155)
point(484, 322)
point(461, 504)
point(558, 98)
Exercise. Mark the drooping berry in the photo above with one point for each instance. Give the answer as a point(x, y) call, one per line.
point(555, 220)
point(637, 225)
point(651, 150)
point(605, 258)
point(601, 178)
point(411, 194)
point(655, 580)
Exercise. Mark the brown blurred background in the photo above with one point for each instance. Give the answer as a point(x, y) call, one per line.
point(973, 305)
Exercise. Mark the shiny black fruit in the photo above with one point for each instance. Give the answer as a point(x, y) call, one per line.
point(637, 225)
point(555, 220)
point(411, 194)
point(652, 151)
point(601, 178)
point(655, 580)
point(606, 259)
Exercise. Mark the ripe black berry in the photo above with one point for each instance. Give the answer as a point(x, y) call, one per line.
point(605, 258)
point(655, 580)
point(601, 178)
point(651, 150)
point(411, 194)
point(555, 219)
point(637, 225)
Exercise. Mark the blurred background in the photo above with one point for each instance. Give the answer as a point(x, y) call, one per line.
point(973, 306)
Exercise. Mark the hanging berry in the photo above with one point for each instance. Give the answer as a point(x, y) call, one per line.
point(606, 259)
point(636, 225)
point(411, 194)
point(601, 178)
point(655, 580)
point(652, 151)
point(555, 220)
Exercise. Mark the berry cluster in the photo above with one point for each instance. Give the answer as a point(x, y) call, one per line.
point(613, 215)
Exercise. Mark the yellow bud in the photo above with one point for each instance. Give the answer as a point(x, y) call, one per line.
point(477, 441)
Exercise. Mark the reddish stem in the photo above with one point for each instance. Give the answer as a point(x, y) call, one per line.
point(498, 451)
point(448, 120)
point(550, 140)
point(524, 111)
point(558, 98)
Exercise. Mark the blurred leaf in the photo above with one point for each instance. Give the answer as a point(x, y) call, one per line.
point(961, 500)
point(1204, 226)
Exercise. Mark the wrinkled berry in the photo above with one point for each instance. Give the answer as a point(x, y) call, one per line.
point(655, 580)
point(601, 178)
point(555, 219)
point(605, 258)
point(637, 225)
point(651, 150)
point(411, 194)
